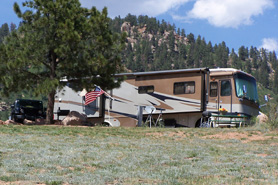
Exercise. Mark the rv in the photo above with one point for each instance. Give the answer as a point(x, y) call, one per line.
point(187, 97)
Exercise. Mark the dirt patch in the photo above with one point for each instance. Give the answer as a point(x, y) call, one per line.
point(262, 155)
point(243, 137)
point(20, 183)
point(178, 134)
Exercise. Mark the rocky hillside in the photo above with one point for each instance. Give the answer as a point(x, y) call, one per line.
point(153, 45)
point(136, 33)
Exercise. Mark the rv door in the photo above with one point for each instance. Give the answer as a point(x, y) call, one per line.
point(220, 95)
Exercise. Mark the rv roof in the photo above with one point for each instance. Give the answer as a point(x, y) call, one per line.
point(224, 70)
point(163, 72)
point(217, 70)
point(231, 70)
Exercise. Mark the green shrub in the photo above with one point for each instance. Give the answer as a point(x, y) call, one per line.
point(272, 115)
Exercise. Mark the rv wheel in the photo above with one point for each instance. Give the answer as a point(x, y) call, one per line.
point(198, 124)
point(105, 124)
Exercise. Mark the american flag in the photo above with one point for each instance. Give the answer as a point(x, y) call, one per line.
point(92, 96)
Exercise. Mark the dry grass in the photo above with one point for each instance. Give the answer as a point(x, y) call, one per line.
point(95, 155)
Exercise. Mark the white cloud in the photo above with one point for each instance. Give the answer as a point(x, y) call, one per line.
point(135, 7)
point(270, 44)
point(229, 13)
point(220, 13)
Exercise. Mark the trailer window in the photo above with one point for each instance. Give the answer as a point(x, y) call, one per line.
point(184, 88)
point(145, 89)
point(213, 89)
point(225, 88)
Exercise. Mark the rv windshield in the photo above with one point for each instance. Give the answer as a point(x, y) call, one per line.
point(246, 87)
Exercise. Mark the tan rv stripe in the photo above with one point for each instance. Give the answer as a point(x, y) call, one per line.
point(120, 98)
point(192, 104)
point(69, 102)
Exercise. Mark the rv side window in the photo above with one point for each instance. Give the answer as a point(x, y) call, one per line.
point(184, 88)
point(213, 89)
point(145, 89)
point(225, 88)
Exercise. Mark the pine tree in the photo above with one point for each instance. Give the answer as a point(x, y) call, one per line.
point(208, 58)
point(183, 33)
point(59, 39)
point(191, 38)
point(263, 69)
point(132, 19)
point(179, 31)
point(12, 27)
point(4, 32)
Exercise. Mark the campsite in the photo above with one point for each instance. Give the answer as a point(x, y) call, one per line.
point(88, 96)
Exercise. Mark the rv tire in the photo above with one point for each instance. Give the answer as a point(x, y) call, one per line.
point(198, 124)
point(105, 124)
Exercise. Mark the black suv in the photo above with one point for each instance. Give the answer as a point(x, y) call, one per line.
point(27, 109)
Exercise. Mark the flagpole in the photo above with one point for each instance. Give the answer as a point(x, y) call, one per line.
point(108, 108)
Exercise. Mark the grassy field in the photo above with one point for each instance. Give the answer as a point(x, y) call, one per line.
point(95, 155)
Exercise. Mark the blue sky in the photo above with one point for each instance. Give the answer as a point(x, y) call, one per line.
point(237, 22)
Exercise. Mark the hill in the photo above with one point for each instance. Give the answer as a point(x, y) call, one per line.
point(153, 45)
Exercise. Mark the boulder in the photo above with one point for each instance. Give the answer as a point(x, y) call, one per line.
point(39, 121)
point(262, 118)
point(9, 122)
point(28, 122)
point(74, 118)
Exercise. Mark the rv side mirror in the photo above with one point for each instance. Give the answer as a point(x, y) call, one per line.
point(244, 90)
point(12, 106)
point(266, 98)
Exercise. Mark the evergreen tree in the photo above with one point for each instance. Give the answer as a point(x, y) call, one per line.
point(12, 27)
point(163, 27)
point(59, 39)
point(171, 41)
point(236, 63)
point(191, 38)
point(132, 19)
point(179, 31)
point(252, 52)
point(208, 58)
point(116, 24)
point(263, 69)
point(4, 32)
point(197, 56)
point(243, 53)
point(183, 33)
point(152, 26)
point(275, 80)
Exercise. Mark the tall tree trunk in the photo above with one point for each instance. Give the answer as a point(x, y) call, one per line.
point(51, 95)
point(50, 107)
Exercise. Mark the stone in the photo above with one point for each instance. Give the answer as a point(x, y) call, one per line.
point(9, 122)
point(39, 121)
point(74, 118)
point(28, 122)
point(262, 118)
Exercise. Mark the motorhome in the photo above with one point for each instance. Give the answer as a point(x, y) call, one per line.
point(186, 97)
